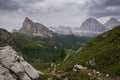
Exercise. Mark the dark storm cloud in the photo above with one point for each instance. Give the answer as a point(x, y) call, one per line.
point(102, 8)
point(96, 8)
point(8, 5)
point(14, 5)
point(55, 12)
point(113, 2)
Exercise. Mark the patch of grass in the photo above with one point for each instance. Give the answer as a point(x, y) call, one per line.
point(41, 66)
point(32, 50)
point(77, 75)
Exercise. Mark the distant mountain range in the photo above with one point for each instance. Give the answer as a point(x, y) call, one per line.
point(62, 29)
point(90, 27)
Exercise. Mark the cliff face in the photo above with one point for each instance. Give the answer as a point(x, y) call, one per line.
point(12, 64)
point(35, 29)
point(92, 25)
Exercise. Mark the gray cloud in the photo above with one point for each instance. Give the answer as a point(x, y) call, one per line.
point(56, 12)
point(96, 8)
point(15, 5)
point(8, 5)
point(102, 8)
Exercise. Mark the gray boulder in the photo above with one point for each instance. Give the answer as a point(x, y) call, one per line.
point(14, 66)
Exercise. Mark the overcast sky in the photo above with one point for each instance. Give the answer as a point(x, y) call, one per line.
point(56, 12)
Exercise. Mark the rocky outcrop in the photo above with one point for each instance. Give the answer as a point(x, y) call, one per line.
point(12, 64)
point(78, 66)
point(35, 29)
point(91, 62)
point(5, 38)
point(14, 67)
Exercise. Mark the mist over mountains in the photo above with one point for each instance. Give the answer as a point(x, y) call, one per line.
point(90, 27)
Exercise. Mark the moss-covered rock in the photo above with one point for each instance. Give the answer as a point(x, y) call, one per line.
point(5, 38)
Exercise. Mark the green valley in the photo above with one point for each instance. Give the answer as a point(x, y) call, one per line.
point(44, 51)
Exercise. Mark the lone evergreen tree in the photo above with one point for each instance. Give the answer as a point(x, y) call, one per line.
point(62, 53)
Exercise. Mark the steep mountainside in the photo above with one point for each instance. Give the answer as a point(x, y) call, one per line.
point(12, 64)
point(34, 29)
point(104, 51)
point(91, 27)
point(100, 57)
point(92, 24)
point(112, 23)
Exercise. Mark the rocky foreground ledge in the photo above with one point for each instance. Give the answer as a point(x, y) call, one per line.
point(14, 67)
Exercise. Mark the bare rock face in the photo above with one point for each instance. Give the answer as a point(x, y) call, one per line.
point(5, 74)
point(35, 29)
point(92, 27)
point(112, 23)
point(14, 67)
point(92, 24)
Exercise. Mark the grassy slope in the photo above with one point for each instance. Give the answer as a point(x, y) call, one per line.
point(35, 50)
point(20, 36)
point(105, 49)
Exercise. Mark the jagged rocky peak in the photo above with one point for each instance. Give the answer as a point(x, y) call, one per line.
point(111, 23)
point(27, 23)
point(27, 19)
point(91, 24)
point(35, 29)
point(12, 64)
